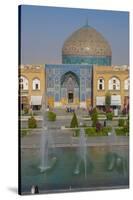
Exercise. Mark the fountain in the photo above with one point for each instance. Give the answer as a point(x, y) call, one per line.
point(113, 160)
point(82, 154)
point(47, 162)
point(111, 157)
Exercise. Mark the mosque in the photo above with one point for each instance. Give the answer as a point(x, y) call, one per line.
point(71, 81)
point(86, 55)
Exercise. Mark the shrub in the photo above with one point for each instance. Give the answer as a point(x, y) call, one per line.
point(122, 131)
point(126, 129)
point(51, 116)
point(109, 115)
point(26, 110)
point(24, 133)
point(74, 121)
point(32, 123)
point(91, 131)
point(121, 122)
point(94, 117)
point(105, 130)
point(119, 131)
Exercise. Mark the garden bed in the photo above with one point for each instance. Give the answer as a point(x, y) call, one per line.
point(90, 131)
point(121, 131)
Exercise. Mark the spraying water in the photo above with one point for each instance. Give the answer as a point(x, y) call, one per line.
point(82, 153)
point(46, 141)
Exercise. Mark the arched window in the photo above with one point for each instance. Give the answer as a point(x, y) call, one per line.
point(126, 84)
point(23, 81)
point(100, 84)
point(36, 84)
point(114, 84)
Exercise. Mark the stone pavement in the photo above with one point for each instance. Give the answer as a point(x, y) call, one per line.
point(64, 138)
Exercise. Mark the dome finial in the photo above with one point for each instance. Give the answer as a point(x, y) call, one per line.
point(86, 22)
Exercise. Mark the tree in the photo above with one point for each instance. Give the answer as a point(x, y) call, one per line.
point(94, 117)
point(74, 121)
point(107, 100)
point(51, 116)
point(109, 115)
point(26, 110)
point(32, 123)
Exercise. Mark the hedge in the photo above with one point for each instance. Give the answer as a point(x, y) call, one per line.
point(121, 131)
point(121, 122)
point(92, 131)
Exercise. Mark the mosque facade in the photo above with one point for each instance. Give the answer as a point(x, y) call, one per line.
point(83, 78)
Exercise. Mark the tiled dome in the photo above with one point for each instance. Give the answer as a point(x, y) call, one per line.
point(86, 41)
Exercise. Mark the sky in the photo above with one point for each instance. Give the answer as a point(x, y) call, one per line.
point(44, 30)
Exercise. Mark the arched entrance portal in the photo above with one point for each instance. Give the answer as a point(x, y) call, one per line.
point(70, 88)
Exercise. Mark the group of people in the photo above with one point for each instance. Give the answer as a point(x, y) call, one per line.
point(69, 109)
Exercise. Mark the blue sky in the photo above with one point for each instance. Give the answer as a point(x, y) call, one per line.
point(44, 30)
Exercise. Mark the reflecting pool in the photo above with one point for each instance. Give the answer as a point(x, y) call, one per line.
point(106, 167)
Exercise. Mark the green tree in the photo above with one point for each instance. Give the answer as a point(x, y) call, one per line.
point(107, 100)
point(109, 115)
point(121, 122)
point(51, 116)
point(26, 110)
point(32, 123)
point(74, 121)
point(94, 117)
